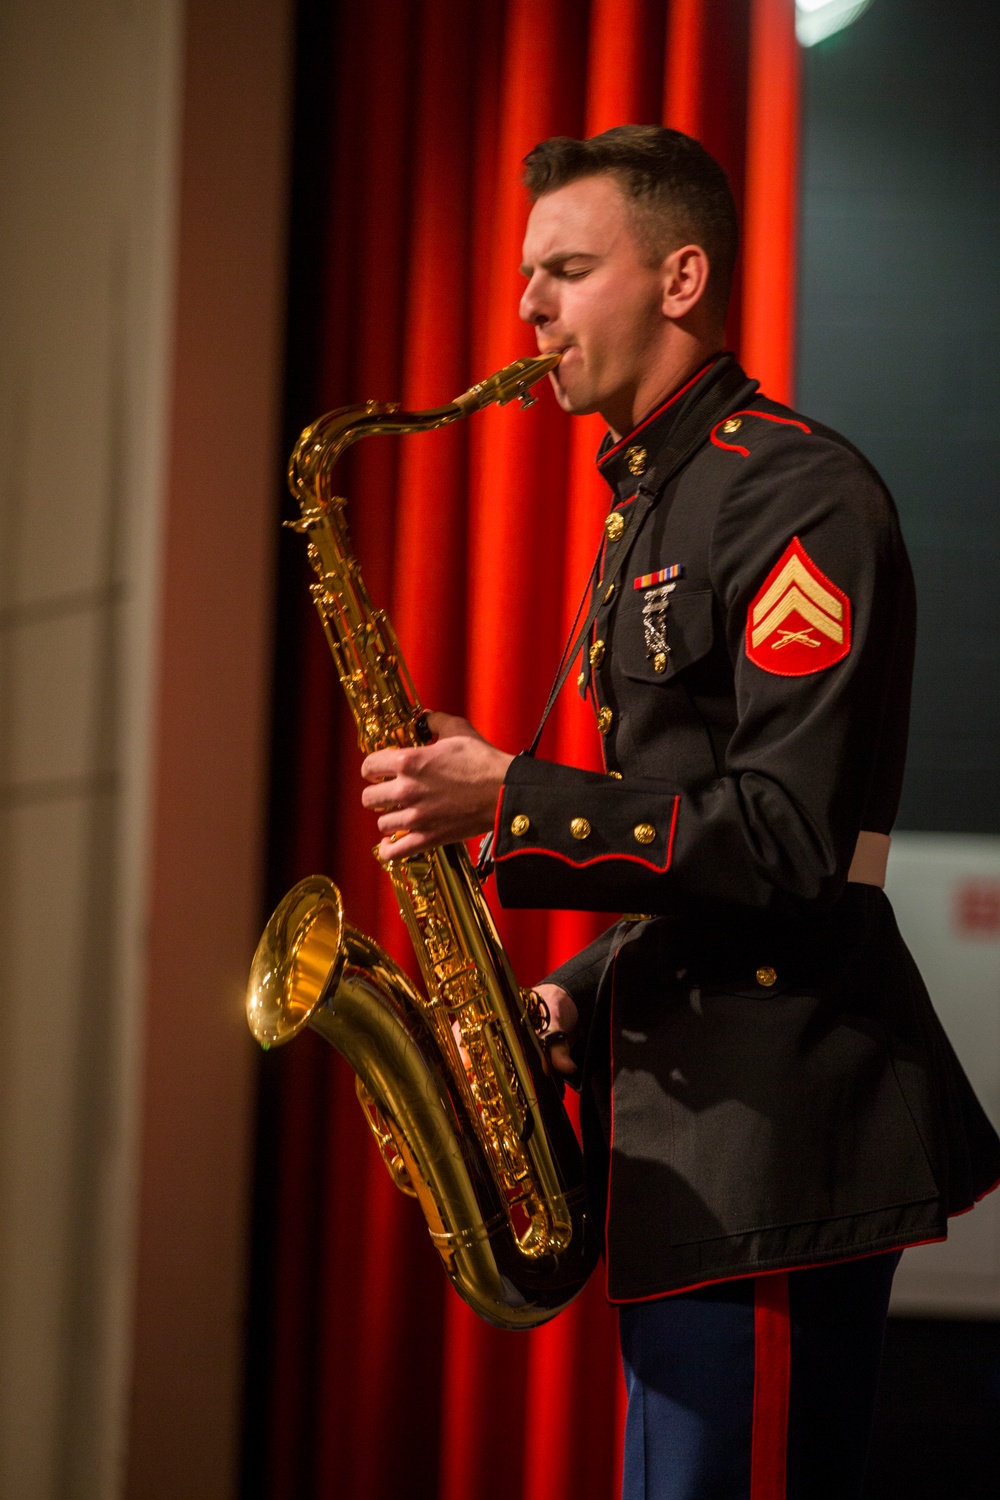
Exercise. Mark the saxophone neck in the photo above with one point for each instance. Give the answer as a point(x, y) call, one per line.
point(321, 444)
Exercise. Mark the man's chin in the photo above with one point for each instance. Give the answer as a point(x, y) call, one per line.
point(573, 400)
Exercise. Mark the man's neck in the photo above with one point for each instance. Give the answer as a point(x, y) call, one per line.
point(682, 360)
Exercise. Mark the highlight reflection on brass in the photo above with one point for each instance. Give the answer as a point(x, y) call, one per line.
point(457, 1091)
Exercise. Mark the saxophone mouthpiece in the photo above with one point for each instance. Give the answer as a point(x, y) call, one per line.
point(514, 380)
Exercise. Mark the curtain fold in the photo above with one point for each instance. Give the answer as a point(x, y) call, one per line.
point(368, 1377)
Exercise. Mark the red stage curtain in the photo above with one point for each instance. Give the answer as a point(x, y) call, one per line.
point(371, 1378)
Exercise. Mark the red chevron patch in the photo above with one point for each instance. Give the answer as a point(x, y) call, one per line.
point(799, 622)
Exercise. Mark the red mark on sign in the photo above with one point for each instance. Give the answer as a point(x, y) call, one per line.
point(977, 908)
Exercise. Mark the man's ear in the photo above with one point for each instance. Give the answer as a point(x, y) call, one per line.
point(685, 281)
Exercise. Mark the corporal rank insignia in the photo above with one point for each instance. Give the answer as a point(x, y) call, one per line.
point(799, 621)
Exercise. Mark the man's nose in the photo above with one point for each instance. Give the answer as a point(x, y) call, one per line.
point(531, 309)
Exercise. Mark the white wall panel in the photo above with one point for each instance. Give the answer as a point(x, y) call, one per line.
point(945, 889)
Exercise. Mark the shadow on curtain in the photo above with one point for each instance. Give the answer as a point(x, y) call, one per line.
point(367, 1376)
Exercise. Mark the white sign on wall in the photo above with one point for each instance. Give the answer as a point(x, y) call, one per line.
point(945, 889)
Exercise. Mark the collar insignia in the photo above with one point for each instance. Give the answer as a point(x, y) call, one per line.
point(799, 621)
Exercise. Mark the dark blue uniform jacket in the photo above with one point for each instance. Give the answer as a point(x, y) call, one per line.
point(764, 1081)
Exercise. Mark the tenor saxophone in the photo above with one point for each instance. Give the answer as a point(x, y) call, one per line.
point(474, 1128)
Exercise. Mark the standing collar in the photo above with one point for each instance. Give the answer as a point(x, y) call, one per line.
point(633, 458)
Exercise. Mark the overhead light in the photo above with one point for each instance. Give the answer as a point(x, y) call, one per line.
point(817, 19)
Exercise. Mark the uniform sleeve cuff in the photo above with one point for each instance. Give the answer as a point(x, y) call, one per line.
point(557, 822)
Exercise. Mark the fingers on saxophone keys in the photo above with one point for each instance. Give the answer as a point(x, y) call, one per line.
point(399, 844)
point(384, 765)
point(396, 821)
point(387, 796)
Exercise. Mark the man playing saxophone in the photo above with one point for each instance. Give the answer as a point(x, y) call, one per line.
point(771, 1111)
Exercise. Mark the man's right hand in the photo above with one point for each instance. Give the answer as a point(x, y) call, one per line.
point(563, 1016)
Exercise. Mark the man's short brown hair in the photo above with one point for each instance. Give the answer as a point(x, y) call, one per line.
point(677, 193)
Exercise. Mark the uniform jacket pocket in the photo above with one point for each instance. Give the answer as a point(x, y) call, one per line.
point(686, 626)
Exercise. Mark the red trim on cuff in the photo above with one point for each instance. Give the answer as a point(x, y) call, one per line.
point(496, 819)
point(672, 834)
point(772, 1378)
point(584, 864)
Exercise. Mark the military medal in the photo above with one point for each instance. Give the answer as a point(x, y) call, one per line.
point(646, 580)
point(654, 619)
point(659, 586)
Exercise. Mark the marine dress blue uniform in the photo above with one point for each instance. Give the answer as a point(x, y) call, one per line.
point(771, 1110)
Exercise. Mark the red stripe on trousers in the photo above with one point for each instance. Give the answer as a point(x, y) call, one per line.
point(772, 1370)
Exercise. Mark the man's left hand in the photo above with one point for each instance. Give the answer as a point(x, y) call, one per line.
point(441, 793)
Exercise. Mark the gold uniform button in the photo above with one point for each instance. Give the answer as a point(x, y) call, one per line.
point(604, 720)
point(616, 774)
point(766, 976)
point(596, 653)
point(644, 833)
point(580, 828)
point(614, 525)
point(520, 825)
point(611, 589)
point(660, 661)
point(733, 425)
point(636, 458)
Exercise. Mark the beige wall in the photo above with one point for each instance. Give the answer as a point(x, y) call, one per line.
point(142, 191)
point(224, 494)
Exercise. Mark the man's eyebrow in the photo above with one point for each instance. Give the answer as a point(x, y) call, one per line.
point(551, 262)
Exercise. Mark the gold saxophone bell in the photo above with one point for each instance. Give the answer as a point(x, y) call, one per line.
point(473, 1127)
